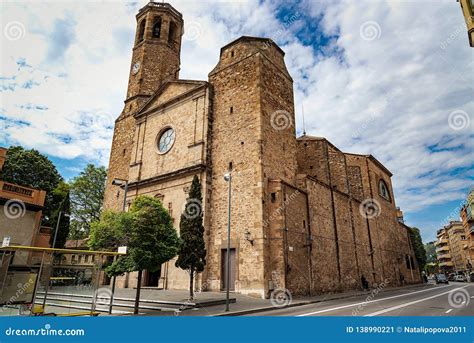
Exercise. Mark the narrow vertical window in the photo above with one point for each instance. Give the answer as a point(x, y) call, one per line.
point(157, 28)
point(172, 32)
point(141, 31)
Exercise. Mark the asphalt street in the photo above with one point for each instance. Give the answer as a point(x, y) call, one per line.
point(455, 299)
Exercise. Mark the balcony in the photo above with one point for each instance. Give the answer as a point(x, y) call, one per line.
point(29, 196)
point(441, 241)
point(446, 264)
point(444, 257)
point(443, 248)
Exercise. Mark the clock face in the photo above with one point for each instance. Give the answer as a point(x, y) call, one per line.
point(136, 68)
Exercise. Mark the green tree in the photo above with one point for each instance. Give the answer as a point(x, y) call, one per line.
point(87, 193)
point(147, 229)
point(30, 168)
point(418, 247)
point(60, 196)
point(192, 252)
point(430, 252)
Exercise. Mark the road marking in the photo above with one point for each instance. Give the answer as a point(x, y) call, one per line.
point(411, 303)
point(449, 310)
point(367, 302)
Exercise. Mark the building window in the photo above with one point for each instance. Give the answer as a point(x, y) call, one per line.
point(157, 28)
point(172, 33)
point(166, 140)
point(383, 190)
point(141, 31)
point(273, 196)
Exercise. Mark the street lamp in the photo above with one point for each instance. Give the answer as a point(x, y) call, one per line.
point(228, 178)
point(57, 226)
point(121, 183)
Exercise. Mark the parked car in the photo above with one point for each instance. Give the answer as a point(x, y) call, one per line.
point(471, 277)
point(451, 277)
point(460, 278)
point(441, 278)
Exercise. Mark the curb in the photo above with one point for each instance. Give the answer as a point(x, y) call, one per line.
point(307, 302)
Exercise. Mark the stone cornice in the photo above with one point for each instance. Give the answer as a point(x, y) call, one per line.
point(169, 176)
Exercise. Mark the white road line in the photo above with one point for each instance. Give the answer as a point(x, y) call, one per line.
point(367, 302)
point(449, 310)
point(411, 303)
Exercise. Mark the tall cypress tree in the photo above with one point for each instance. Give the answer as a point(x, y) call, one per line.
point(192, 252)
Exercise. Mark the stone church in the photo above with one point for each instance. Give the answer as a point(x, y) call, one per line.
point(305, 216)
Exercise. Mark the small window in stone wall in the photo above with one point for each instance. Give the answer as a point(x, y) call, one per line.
point(170, 208)
point(273, 196)
point(231, 54)
point(383, 190)
point(231, 109)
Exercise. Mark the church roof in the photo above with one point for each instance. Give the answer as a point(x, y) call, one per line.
point(369, 156)
point(250, 38)
point(306, 137)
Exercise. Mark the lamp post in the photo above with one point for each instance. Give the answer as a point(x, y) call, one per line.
point(121, 183)
point(228, 178)
point(53, 246)
point(57, 227)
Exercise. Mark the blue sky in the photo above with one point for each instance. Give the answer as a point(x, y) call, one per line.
point(387, 78)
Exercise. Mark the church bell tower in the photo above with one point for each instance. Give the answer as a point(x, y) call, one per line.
point(156, 51)
point(155, 60)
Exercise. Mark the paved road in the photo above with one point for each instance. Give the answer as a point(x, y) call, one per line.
point(455, 299)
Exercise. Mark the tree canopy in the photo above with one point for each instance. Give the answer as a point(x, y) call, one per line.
point(30, 168)
point(418, 247)
point(192, 250)
point(147, 230)
point(87, 193)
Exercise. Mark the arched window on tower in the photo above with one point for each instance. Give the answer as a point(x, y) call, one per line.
point(157, 27)
point(172, 33)
point(383, 190)
point(141, 31)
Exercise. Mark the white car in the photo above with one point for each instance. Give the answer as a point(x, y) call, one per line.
point(460, 278)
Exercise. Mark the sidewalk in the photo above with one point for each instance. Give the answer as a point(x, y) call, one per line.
point(246, 305)
point(176, 302)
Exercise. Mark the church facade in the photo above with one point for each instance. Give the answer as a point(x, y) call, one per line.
point(305, 216)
